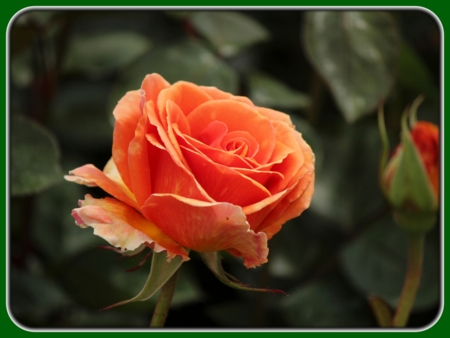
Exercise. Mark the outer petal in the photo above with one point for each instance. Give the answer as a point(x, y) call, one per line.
point(186, 95)
point(152, 85)
point(288, 209)
point(138, 162)
point(217, 94)
point(268, 215)
point(275, 115)
point(290, 166)
point(91, 176)
point(127, 114)
point(204, 227)
point(123, 227)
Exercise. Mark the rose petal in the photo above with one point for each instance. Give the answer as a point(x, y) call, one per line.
point(176, 119)
point(171, 147)
point(124, 227)
point(152, 85)
point(217, 94)
point(273, 211)
point(138, 162)
point(293, 161)
point(275, 115)
point(224, 184)
point(205, 227)
point(237, 116)
point(186, 95)
point(259, 176)
point(168, 177)
point(213, 134)
point(230, 140)
point(91, 176)
point(290, 207)
point(127, 114)
point(215, 154)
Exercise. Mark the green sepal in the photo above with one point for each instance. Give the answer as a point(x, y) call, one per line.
point(413, 110)
point(411, 189)
point(212, 261)
point(385, 145)
point(381, 310)
point(160, 272)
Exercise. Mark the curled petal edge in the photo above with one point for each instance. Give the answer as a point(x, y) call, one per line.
point(207, 227)
point(111, 220)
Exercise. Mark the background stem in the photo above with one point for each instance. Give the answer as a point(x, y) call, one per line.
point(412, 281)
point(164, 300)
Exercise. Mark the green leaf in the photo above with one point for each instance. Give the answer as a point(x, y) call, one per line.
point(376, 262)
point(212, 261)
point(34, 157)
point(266, 91)
point(346, 187)
point(184, 61)
point(356, 53)
point(229, 32)
point(326, 303)
point(413, 73)
point(99, 53)
point(160, 273)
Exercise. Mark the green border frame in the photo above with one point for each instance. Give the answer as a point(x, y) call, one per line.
point(11, 8)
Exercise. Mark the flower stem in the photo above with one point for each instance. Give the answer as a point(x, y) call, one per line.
point(164, 300)
point(412, 281)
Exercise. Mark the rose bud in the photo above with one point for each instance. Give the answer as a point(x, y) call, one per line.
point(197, 168)
point(410, 180)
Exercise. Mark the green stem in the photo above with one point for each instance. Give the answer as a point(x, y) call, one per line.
point(164, 300)
point(412, 281)
point(381, 310)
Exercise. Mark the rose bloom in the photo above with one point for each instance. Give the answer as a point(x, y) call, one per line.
point(197, 168)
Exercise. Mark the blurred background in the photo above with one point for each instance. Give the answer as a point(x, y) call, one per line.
point(328, 70)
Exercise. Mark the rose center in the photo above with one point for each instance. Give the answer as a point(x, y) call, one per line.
point(237, 142)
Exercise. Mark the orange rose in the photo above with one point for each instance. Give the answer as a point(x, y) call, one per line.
point(194, 167)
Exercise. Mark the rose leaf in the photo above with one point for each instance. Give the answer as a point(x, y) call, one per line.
point(266, 91)
point(328, 302)
point(183, 61)
point(376, 264)
point(100, 53)
point(229, 32)
point(34, 157)
point(356, 53)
